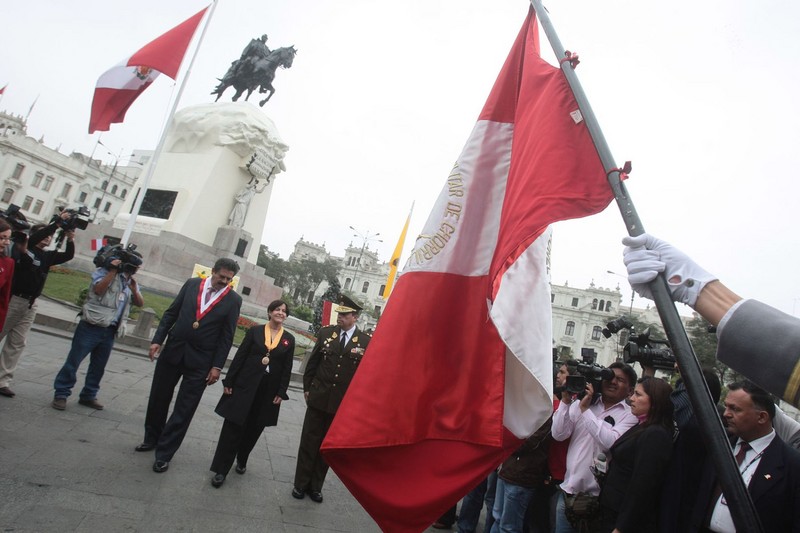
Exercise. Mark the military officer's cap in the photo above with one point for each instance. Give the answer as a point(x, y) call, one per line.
point(346, 305)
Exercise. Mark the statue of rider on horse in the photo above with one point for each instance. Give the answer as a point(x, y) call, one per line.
point(255, 69)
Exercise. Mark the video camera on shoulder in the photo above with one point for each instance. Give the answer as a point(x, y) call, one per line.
point(641, 348)
point(18, 222)
point(78, 219)
point(130, 259)
point(586, 371)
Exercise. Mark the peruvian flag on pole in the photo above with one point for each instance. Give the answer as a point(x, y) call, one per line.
point(459, 370)
point(122, 84)
point(98, 243)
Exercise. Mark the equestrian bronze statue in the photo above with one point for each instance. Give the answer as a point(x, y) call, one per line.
point(255, 69)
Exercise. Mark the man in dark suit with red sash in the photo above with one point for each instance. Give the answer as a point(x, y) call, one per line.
point(198, 328)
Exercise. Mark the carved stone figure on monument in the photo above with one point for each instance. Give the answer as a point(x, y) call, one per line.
point(243, 199)
point(255, 69)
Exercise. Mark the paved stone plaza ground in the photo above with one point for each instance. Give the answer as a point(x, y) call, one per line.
point(76, 470)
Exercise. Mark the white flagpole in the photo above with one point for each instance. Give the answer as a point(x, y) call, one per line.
point(151, 168)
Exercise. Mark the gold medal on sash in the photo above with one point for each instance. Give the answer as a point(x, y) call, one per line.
point(265, 361)
point(195, 325)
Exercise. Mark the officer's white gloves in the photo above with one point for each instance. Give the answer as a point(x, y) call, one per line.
point(645, 256)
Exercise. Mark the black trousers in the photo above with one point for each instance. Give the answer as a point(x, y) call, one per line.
point(311, 467)
point(235, 441)
point(168, 435)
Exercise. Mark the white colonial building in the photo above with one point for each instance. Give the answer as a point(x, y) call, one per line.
point(579, 316)
point(39, 179)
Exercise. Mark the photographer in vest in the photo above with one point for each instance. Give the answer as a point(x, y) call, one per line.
point(111, 292)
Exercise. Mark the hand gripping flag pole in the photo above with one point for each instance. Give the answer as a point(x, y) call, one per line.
point(741, 506)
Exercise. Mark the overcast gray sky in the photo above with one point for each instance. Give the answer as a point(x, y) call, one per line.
point(382, 96)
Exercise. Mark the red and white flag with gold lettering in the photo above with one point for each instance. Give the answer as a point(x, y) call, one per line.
point(460, 367)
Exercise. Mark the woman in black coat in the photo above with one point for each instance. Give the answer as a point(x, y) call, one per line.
point(255, 385)
point(631, 492)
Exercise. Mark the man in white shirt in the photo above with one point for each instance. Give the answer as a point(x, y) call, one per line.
point(593, 425)
point(769, 467)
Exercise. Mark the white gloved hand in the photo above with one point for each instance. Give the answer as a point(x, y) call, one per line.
point(645, 256)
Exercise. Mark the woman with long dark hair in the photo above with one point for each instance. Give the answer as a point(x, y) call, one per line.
point(631, 493)
point(254, 388)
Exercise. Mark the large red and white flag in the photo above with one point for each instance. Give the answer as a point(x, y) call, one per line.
point(122, 84)
point(459, 370)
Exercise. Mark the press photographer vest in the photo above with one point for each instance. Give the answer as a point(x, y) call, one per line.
point(101, 310)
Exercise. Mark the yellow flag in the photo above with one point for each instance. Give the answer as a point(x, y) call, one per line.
point(395, 262)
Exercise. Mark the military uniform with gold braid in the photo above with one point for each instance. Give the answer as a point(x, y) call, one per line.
point(330, 368)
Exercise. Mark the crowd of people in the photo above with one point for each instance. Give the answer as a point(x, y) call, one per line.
point(631, 457)
point(625, 454)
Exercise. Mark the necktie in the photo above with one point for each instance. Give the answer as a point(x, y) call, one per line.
point(718, 487)
point(741, 453)
point(343, 340)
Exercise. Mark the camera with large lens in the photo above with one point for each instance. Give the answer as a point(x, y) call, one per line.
point(130, 259)
point(616, 325)
point(19, 224)
point(586, 371)
point(78, 219)
point(641, 349)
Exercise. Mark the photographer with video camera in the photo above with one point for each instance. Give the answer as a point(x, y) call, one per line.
point(111, 292)
point(32, 264)
point(592, 423)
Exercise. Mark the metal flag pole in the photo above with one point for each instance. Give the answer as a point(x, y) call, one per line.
point(137, 205)
point(740, 504)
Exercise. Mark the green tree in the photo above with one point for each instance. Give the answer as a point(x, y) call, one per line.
point(274, 266)
point(303, 312)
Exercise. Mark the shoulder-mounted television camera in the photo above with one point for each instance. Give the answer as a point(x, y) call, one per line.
point(78, 219)
point(130, 259)
point(641, 348)
point(586, 371)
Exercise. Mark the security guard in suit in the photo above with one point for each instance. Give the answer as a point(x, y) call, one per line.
point(331, 366)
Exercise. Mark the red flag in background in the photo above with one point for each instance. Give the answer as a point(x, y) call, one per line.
point(122, 84)
point(460, 368)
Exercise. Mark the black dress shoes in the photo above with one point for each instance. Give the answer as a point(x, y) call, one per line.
point(298, 493)
point(218, 480)
point(5, 391)
point(160, 466)
point(145, 447)
point(240, 469)
point(315, 496)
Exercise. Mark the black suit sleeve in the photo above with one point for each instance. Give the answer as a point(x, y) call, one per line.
point(170, 317)
point(240, 357)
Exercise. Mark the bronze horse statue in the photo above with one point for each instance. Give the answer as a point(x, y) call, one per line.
point(259, 75)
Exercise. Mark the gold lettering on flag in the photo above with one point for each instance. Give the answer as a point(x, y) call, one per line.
point(429, 245)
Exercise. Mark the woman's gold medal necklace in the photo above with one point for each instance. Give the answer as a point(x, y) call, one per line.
point(270, 342)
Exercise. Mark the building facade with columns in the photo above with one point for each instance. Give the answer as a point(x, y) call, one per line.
point(579, 316)
point(40, 179)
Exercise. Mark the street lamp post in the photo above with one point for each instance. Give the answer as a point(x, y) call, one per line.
point(366, 238)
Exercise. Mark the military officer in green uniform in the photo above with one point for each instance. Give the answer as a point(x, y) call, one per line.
point(331, 366)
